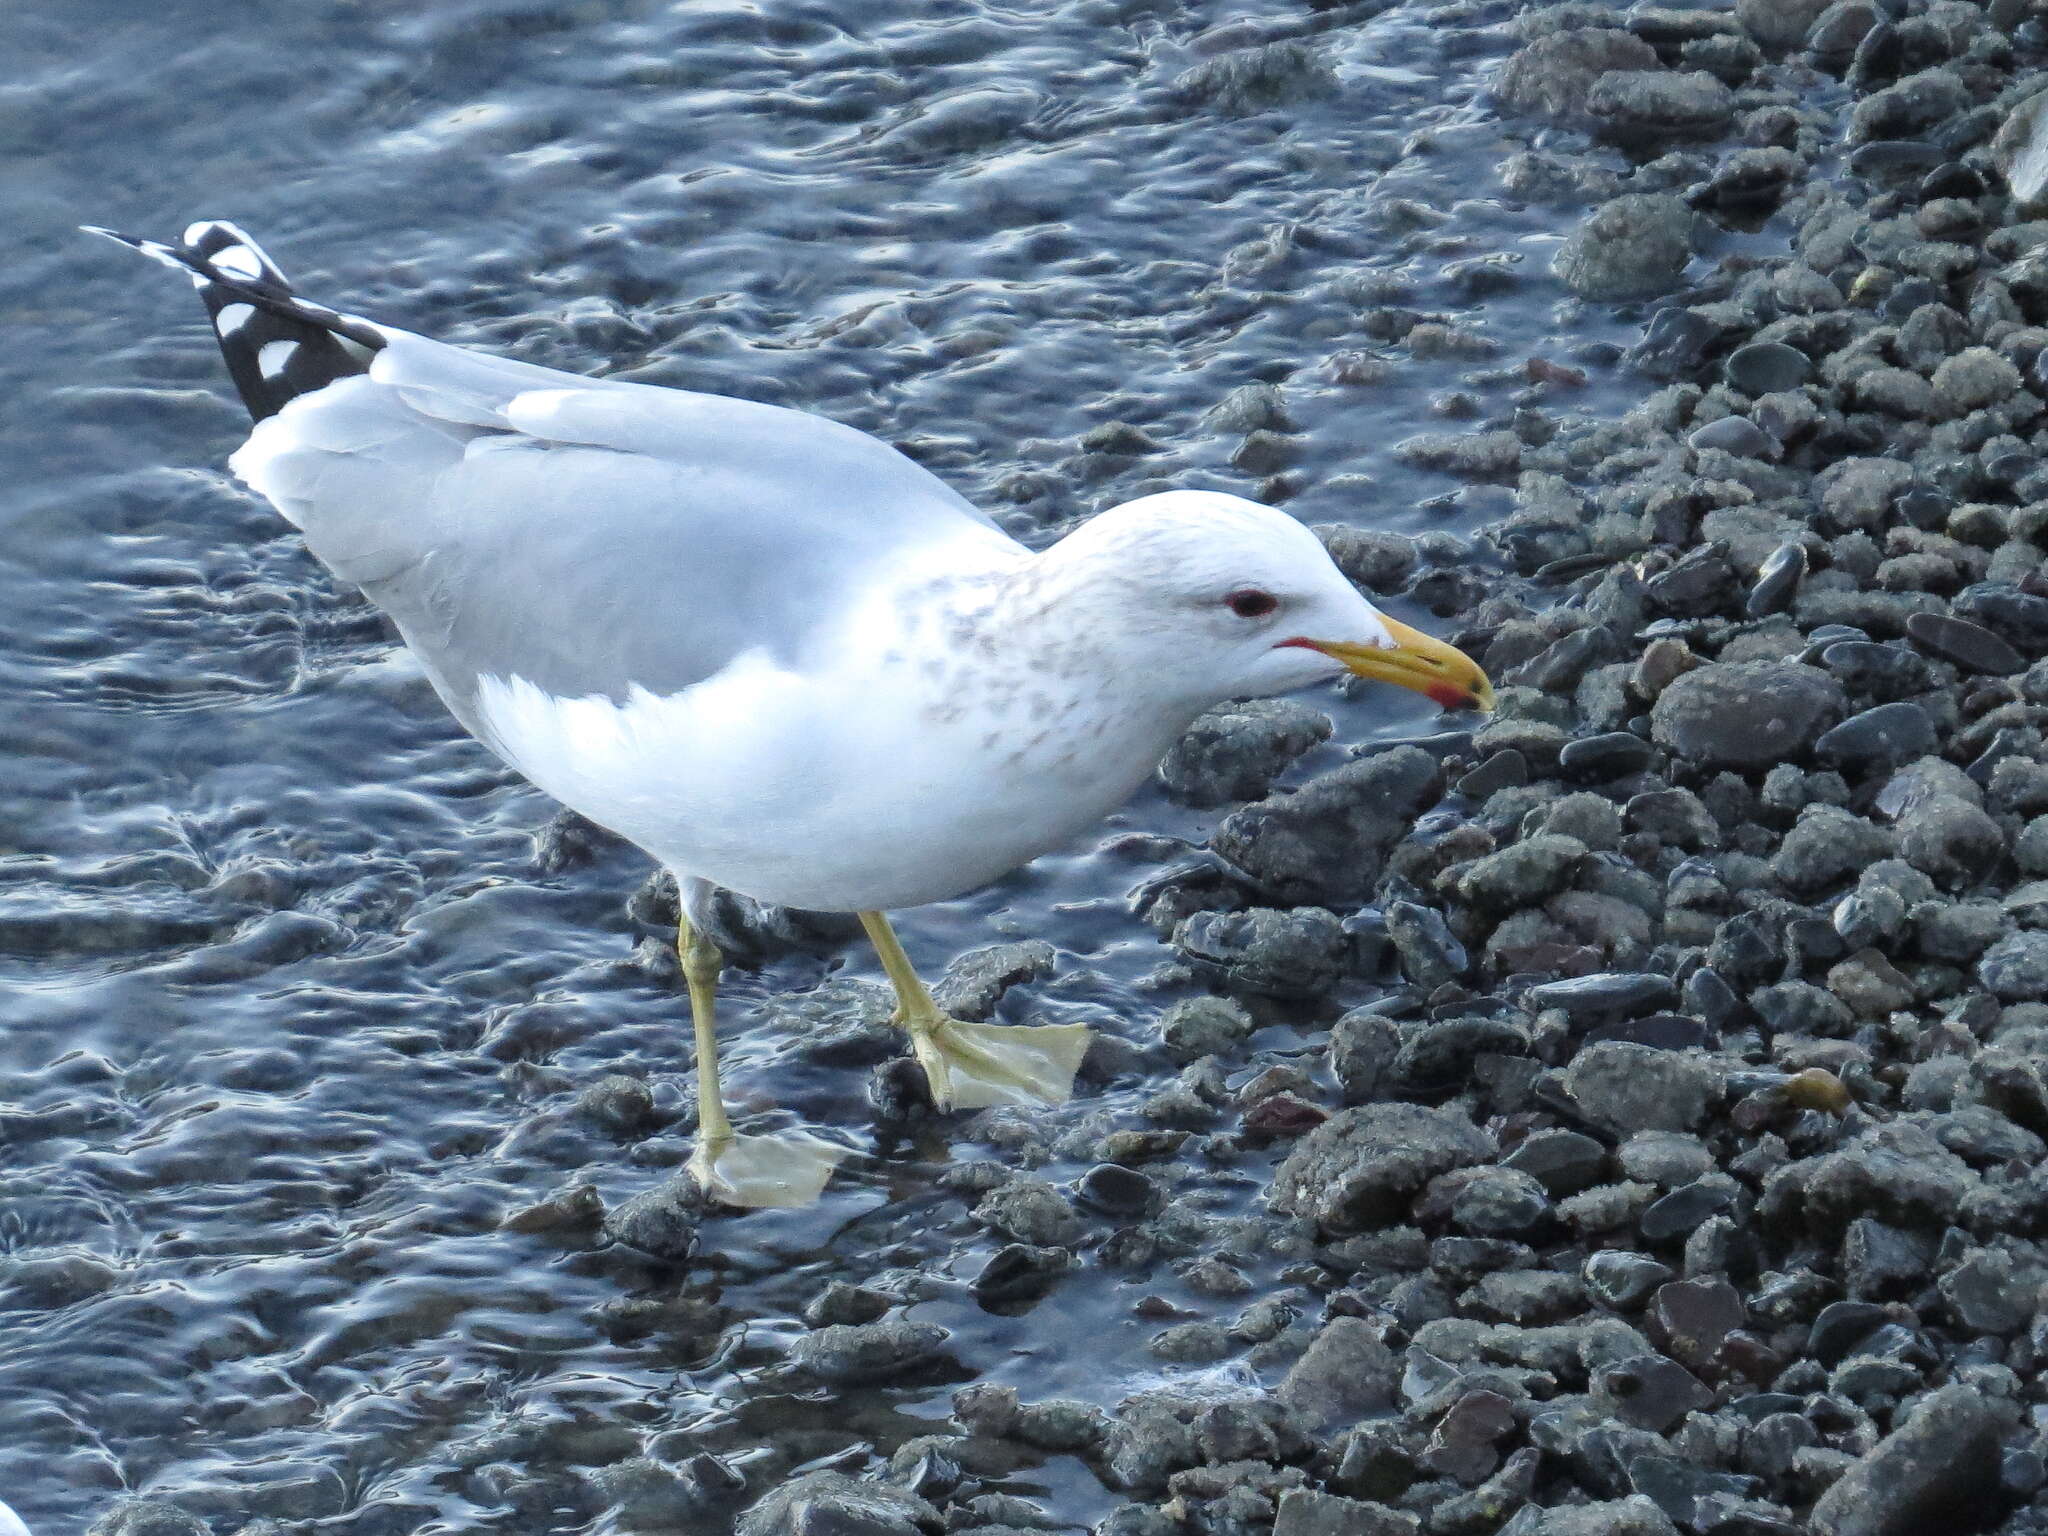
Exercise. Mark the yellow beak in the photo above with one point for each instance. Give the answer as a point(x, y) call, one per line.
point(1415, 661)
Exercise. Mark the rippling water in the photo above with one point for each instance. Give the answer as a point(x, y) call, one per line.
point(291, 1016)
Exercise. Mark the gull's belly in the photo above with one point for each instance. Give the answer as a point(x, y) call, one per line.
point(739, 781)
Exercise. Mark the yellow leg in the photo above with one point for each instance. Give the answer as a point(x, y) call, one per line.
point(974, 1066)
point(786, 1170)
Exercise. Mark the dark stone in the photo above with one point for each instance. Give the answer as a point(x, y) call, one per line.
point(1563, 1162)
point(1841, 1326)
point(1502, 770)
point(1623, 1280)
point(1650, 1392)
point(1883, 737)
point(1970, 646)
point(833, 1504)
point(1884, 671)
point(1777, 581)
point(1930, 1473)
point(1694, 1317)
point(1690, 1496)
point(1709, 995)
point(1660, 1031)
point(1117, 1190)
point(1673, 345)
point(1610, 756)
point(1683, 1209)
point(1326, 840)
point(857, 1353)
point(1364, 1166)
point(1737, 435)
point(1766, 367)
point(1605, 993)
point(1430, 954)
point(1701, 582)
point(2019, 616)
point(1019, 1272)
point(1746, 714)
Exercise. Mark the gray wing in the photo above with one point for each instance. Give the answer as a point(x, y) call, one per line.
point(586, 535)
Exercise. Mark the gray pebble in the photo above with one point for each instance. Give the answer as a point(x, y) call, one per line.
point(853, 1353)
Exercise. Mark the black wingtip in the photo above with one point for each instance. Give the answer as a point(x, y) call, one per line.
point(276, 345)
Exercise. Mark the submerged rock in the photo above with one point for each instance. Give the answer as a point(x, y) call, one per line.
point(1634, 247)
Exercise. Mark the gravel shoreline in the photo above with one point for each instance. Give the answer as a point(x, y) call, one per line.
point(1692, 1181)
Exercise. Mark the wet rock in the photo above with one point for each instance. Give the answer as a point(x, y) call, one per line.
point(1992, 1291)
point(1031, 1211)
point(1307, 1512)
point(1883, 737)
point(1500, 1202)
point(2015, 969)
point(1767, 367)
point(1521, 874)
point(1347, 1373)
point(1941, 1458)
point(645, 1492)
point(848, 1354)
point(974, 982)
point(1365, 1165)
point(1746, 714)
point(2020, 151)
point(1825, 846)
point(1733, 434)
point(1626, 1088)
point(1327, 840)
point(1378, 560)
point(1296, 953)
point(619, 1104)
point(1634, 247)
point(1552, 76)
point(1779, 25)
point(1605, 994)
point(1236, 751)
point(1900, 111)
point(1951, 839)
point(1635, 105)
point(1622, 1280)
point(1563, 1162)
point(1254, 79)
point(841, 1304)
point(1476, 455)
point(833, 1504)
point(1898, 1173)
point(1695, 1317)
point(1611, 755)
point(1777, 582)
point(579, 1208)
point(1430, 955)
point(1649, 1391)
point(1970, 646)
point(1019, 1272)
point(661, 1221)
point(147, 1517)
point(1204, 1026)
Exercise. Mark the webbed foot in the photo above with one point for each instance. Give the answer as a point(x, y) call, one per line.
point(978, 1066)
point(780, 1171)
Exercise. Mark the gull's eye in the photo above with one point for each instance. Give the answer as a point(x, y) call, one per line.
point(1251, 603)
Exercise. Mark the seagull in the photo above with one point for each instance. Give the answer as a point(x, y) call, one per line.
point(769, 649)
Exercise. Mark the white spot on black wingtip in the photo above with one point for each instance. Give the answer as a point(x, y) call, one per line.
point(275, 357)
point(233, 317)
point(237, 261)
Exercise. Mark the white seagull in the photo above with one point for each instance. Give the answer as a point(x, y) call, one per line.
point(769, 649)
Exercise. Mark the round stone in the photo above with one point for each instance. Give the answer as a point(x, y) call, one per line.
point(1766, 367)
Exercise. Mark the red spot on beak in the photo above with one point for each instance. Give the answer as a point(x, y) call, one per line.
point(1449, 695)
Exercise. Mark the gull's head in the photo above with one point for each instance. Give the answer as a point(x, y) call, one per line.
point(1231, 599)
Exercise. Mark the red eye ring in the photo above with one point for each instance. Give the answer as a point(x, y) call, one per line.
point(1251, 603)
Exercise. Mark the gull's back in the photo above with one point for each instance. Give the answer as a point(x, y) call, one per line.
point(588, 537)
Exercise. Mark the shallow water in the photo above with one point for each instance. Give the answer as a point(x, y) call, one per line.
point(267, 917)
